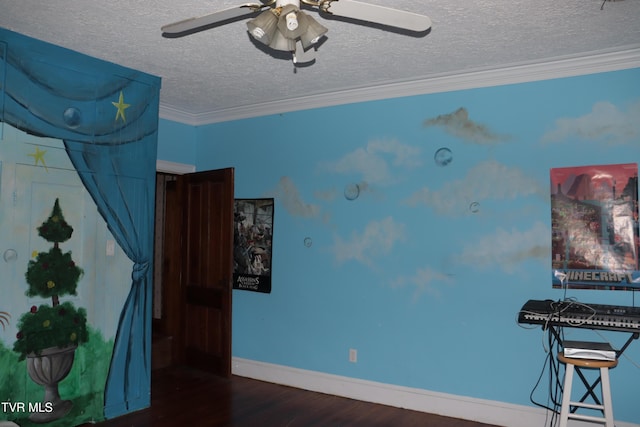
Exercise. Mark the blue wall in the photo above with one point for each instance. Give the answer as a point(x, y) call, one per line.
point(177, 143)
point(412, 273)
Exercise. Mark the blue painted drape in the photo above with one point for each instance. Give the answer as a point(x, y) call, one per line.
point(54, 92)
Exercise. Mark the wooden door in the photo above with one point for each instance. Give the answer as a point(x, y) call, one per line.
point(207, 269)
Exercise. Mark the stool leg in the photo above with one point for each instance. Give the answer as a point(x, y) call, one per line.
point(566, 395)
point(606, 396)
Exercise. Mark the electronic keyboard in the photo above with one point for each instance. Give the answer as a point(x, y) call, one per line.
point(576, 314)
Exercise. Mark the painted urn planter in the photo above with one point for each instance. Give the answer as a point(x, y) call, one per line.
point(48, 368)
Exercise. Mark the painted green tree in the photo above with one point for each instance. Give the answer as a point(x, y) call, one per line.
point(52, 274)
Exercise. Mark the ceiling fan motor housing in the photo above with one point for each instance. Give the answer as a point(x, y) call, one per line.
point(282, 3)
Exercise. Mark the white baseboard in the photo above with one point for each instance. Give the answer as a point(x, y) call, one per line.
point(480, 410)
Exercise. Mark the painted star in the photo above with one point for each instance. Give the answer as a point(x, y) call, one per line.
point(121, 106)
point(38, 157)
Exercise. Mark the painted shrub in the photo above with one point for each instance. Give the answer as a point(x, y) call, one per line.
point(50, 275)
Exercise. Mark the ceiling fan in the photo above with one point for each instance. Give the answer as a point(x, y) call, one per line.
point(282, 26)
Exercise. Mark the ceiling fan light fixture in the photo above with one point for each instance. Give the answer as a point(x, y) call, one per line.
point(264, 27)
point(315, 30)
point(303, 56)
point(280, 42)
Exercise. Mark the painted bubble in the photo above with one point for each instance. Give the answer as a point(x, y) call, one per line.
point(10, 255)
point(351, 191)
point(474, 207)
point(72, 117)
point(443, 157)
point(308, 242)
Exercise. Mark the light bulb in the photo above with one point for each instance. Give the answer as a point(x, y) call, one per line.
point(258, 33)
point(292, 21)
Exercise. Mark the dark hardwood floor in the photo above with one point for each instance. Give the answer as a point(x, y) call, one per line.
point(185, 397)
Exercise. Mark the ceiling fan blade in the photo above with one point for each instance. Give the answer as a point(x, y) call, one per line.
point(194, 25)
point(377, 14)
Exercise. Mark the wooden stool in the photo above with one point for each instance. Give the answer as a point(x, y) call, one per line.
point(606, 407)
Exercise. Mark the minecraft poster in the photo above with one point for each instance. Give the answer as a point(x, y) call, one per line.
point(252, 241)
point(594, 224)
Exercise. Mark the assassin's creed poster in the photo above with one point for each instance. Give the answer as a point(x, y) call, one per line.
point(594, 215)
point(252, 243)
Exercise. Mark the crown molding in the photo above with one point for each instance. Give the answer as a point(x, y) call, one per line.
point(176, 115)
point(599, 62)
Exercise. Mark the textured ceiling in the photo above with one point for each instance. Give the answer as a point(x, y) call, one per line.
point(221, 69)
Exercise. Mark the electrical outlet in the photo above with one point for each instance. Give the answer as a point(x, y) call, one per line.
point(353, 355)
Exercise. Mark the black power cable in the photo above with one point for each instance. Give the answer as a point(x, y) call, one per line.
point(552, 366)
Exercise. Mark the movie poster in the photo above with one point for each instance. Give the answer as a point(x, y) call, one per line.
point(252, 242)
point(594, 224)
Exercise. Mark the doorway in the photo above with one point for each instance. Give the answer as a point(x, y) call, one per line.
point(193, 270)
point(166, 274)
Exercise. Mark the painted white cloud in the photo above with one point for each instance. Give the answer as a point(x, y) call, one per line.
point(403, 155)
point(605, 122)
point(487, 180)
point(425, 280)
point(375, 161)
point(327, 195)
point(506, 249)
point(287, 193)
point(459, 125)
point(377, 239)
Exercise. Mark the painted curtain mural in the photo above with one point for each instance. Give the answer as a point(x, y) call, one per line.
point(97, 120)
